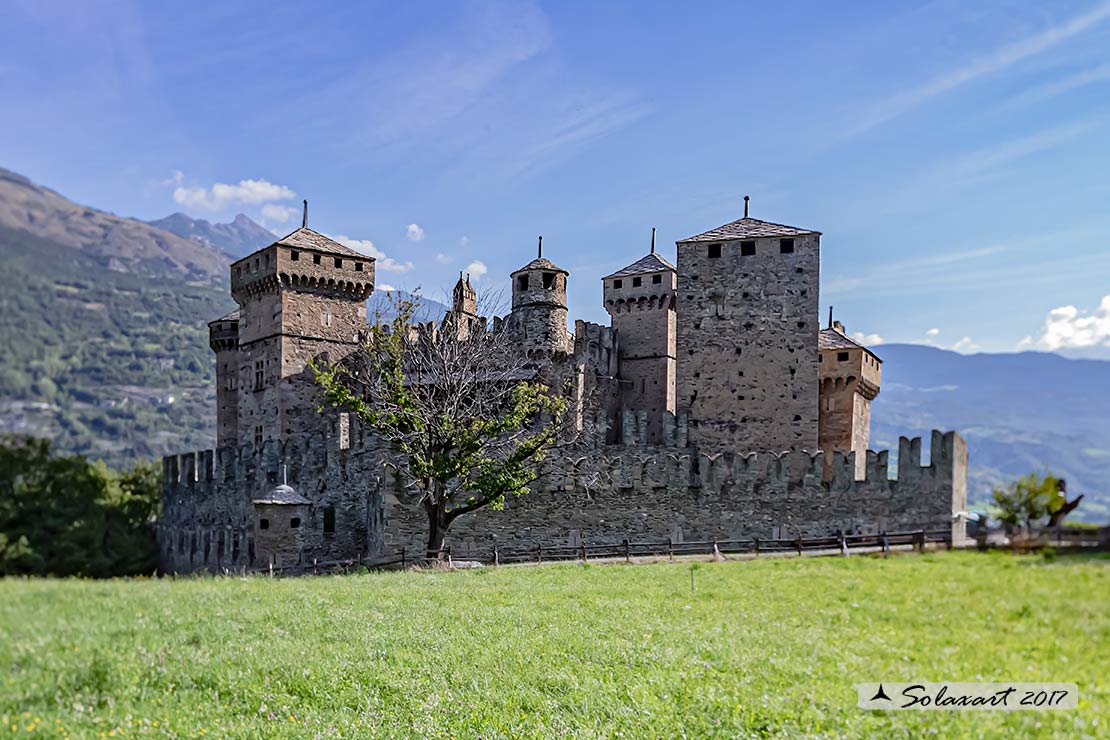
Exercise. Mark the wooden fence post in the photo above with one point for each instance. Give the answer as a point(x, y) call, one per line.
point(583, 550)
point(755, 543)
point(627, 551)
point(843, 544)
point(919, 541)
point(670, 549)
point(886, 544)
point(314, 561)
point(798, 545)
point(496, 555)
point(539, 553)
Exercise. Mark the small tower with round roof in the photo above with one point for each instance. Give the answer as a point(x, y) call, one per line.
point(539, 315)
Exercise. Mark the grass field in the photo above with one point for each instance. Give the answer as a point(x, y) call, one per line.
point(769, 648)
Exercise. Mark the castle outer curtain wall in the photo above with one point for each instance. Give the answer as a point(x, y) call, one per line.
point(601, 496)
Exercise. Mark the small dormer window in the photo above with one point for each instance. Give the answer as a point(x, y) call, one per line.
point(548, 280)
point(656, 279)
point(522, 282)
point(295, 256)
point(747, 249)
point(786, 246)
point(315, 259)
point(637, 282)
point(714, 251)
point(618, 284)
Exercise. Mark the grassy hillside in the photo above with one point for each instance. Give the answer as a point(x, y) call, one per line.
point(108, 363)
point(758, 649)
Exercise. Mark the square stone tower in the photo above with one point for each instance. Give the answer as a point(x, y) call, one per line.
point(223, 338)
point(850, 377)
point(641, 301)
point(747, 336)
point(302, 296)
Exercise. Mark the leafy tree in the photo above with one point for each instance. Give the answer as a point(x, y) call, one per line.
point(62, 515)
point(1030, 499)
point(473, 416)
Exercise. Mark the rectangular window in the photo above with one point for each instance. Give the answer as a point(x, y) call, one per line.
point(295, 256)
point(548, 280)
point(656, 279)
point(338, 262)
point(747, 249)
point(259, 376)
point(618, 284)
point(295, 522)
point(842, 356)
point(714, 251)
point(329, 520)
point(358, 267)
point(257, 436)
point(786, 246)
point(522, 282)
point(637, 282)
point(263, 523)
point(315, 259)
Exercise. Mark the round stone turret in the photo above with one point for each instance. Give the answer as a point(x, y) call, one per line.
point(539, 316)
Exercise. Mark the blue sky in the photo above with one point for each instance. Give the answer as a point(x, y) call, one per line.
point(956, 157)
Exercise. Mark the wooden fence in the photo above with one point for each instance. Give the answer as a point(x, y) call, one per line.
point(626, 550)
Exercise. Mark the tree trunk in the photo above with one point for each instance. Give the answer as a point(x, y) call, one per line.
point(438, 523)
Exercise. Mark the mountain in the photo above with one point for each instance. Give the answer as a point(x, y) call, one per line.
point(238, 238)
point(380, 307)
point(103, 325)
point(1019, 413)
point(116, 243)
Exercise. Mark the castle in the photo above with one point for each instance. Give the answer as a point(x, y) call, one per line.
point(727, 412)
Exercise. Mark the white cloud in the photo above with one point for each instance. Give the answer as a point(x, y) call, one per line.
point(932, 333)
point(1068, 327)
point(272, 213)
point(476, 269)
point(221, 195)
point(995, 61)
point(414, 233)
point(443, 259)
point(382, 261)
point(385, 286)
point(965, 345)
point(867, 339)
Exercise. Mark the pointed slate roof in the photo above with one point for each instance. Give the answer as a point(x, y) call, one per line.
point(748, 228)
point(833, 339)
point(649, 263)
point(283, 495)
point(306, 238)
point(541, 263)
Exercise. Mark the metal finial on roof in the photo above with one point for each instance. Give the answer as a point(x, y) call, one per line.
point(539, 250)
point(653, 240)
point(304, 220)
point(284, 475)
point(830, 316)
point(746, 199)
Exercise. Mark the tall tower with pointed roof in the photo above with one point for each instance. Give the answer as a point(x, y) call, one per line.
point(539, 315)
point(302, 296)
point(641, 301)
point(463, 319)
point(747, 336)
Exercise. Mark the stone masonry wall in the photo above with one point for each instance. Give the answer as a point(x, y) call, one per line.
point(747, 345)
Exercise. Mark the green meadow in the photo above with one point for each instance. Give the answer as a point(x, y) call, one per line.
point(765, 648)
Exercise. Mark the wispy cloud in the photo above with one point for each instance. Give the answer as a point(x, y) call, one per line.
point(1056, 88)
point(367, 247)
point(223, 195)
point(990, 63)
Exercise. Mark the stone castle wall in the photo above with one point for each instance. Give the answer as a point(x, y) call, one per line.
point(601, 496)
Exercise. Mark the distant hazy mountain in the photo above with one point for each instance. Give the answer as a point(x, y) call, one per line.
point(1019, 413)
point(116, 243)
point(238, 238)
point(380, 307)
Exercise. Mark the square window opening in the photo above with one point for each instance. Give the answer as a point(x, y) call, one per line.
point(637, 282)
point(747, 249)
point(263, 523)
point(295, 256)
point(786, 246)
point(656, 279)
point(295, 523)
point(714, 251)
point(548, 280)
point(522, 282)
point(618, 284)
point(315, 259)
